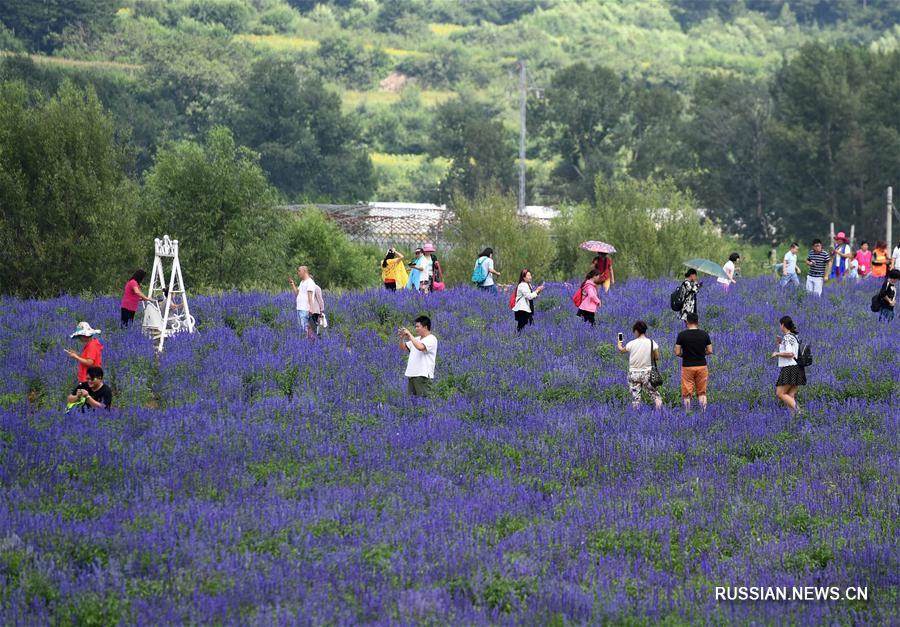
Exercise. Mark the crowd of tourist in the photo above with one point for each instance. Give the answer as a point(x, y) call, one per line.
point(693, 345)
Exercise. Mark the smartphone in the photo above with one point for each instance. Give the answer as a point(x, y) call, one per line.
point(620, 337)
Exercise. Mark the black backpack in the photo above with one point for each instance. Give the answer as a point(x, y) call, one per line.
point(804, 355)
point(676, 299)
point(878, 299)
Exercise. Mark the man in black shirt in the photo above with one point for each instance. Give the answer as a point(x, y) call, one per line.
point(92, 393)
point(693, 345)
point(888, 295)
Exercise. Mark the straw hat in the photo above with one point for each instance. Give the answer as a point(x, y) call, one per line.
point(84, 330)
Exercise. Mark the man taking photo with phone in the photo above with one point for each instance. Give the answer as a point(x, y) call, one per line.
point(422, 349)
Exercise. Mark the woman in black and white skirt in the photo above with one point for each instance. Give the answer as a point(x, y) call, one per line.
point(791, 376)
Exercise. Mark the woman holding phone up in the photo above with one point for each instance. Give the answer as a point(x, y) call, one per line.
point(523, 305)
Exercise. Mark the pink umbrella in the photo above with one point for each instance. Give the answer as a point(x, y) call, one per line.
point(598, 247)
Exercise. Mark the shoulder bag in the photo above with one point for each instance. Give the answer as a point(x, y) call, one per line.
point(656, 378)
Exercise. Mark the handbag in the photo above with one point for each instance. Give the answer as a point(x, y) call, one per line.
point(656, 378)
point(437, 286)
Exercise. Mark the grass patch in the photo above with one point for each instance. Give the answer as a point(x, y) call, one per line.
point(279, 42)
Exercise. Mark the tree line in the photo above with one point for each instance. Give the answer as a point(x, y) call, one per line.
point(820, 142)
point(77, 219)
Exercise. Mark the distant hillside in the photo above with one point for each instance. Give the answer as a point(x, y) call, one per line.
point(173, 69)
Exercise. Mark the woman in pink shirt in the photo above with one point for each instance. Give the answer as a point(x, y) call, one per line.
point(864, 259)
point(132, 297)
point(590, 300)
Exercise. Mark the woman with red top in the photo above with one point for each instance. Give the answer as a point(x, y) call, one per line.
point(92, 353)
point(132, 297)
point(590, 300)
point(602, 263)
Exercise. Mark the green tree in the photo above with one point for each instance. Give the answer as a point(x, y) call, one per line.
point(309, 148)
point(729, 135)
point(232, 14)
point(818, 138)
point(491, 220)
point(215, 199)
point(68, 219)
point(343, 60)
point(39, 23)
point(481, 150)
point(335, 262)
point(655, 132)
point(400, 16)
point(653, 224)
point(189, 75)
point(580, 120)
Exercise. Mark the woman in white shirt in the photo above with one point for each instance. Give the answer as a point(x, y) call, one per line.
point(729, 269)
point(791, 376)
point(486, 258)
point(641, 353)
point(523, 308)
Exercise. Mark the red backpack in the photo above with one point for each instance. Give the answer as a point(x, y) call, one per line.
point(512, 297)
point(578, 295)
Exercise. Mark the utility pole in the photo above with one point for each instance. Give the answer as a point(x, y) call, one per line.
point(523, 90)
point(890, 207)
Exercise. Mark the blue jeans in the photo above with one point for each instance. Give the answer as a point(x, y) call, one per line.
point(886, 314)
point(303, 320)
point(490, 288)
point(789, 278)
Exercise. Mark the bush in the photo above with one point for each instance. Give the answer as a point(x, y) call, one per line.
point(342, 60)
point(234, 15)
point(333, 260)
point(653, 225)
point(492, 220)
point(280, 18)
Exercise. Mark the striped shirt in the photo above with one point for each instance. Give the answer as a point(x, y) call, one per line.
point(819, 261)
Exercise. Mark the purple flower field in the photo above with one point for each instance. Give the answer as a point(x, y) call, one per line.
point(248, 477)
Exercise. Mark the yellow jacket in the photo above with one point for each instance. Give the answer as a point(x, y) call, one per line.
point(395, 271)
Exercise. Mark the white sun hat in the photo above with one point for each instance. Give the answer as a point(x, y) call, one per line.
point(84, 329)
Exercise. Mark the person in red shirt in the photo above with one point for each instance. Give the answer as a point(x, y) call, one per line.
point(92, 353)
point(602, 263)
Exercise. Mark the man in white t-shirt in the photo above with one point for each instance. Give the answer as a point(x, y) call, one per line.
point(422, 353)
point(305, 295)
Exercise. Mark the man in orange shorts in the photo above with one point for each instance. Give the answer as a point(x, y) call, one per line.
point(693, 345)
